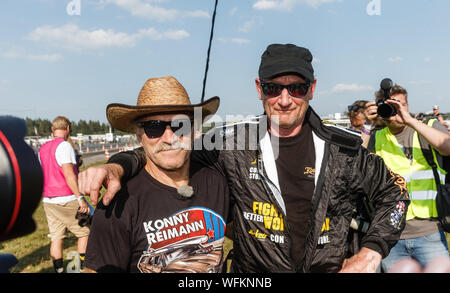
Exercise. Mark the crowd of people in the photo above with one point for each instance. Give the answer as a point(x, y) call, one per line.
point(288, 199)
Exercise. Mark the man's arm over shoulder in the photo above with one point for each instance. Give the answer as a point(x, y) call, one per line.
point(131, 162)
point(120, 168)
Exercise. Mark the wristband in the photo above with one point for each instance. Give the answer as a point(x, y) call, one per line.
point(365, 131)
point(80, 198)
point(367, 128)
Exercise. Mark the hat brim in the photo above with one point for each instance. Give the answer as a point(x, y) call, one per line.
point(123, 117)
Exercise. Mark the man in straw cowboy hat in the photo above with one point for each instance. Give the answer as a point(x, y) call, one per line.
point(171, 216)
point(295, 193)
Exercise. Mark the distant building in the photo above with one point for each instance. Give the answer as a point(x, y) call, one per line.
point(338, 119)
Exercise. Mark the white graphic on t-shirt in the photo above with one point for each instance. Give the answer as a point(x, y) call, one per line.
point(189, 241)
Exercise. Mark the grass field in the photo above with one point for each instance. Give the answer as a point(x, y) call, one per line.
point(32, 250)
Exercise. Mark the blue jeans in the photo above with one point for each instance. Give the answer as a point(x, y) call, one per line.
point(422, 249)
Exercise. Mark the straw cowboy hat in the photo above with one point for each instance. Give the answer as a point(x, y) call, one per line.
point(164, 95)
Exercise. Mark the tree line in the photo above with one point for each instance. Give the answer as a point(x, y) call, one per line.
point(43, 127)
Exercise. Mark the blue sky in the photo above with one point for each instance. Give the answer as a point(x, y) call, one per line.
point(53, 63)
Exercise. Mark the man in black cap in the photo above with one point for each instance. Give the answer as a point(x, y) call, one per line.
point(296, 190)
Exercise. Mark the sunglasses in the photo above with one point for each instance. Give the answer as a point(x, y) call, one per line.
point(354, 108)
point(296, 90)
point(156, 128)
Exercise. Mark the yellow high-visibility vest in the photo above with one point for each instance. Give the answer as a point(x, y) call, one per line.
point(417, 173)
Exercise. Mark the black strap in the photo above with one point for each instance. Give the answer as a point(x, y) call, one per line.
point(371, 145)
point(428, 154)
point(209, 51)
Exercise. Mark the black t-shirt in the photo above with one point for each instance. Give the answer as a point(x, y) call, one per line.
point(296, 171)
point(149, 227)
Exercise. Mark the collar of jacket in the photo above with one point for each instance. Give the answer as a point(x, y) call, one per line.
point(322, 134)
point(332, 133)
point(327, 131)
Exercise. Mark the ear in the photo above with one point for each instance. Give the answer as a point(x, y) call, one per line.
point(139, 137)
point(258, 88)
point(312, 89)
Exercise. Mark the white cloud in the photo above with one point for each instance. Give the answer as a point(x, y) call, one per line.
point(149, 10)
point(233, 11)
point(167, 35)
point(196, 14)
point(288, 5)
point(45, 57)
point(348, 88)
point(395, 59)
point(240, 41)
point(250, 24)
point(21, 53)
point(71, 37)
point(427, 59)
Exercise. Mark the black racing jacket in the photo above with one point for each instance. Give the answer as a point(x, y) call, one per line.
point(345, 174)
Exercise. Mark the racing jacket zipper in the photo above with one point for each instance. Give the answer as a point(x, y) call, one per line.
point(270, 186)
point(315, 203)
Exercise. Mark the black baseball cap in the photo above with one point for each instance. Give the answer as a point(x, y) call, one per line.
point(281, 59)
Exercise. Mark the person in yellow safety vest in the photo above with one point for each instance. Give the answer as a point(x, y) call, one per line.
point(399, 144)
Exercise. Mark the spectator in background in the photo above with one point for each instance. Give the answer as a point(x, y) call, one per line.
point(438, 116)
point(357, 115)
point(78, 157)
point(400, 144)
point(61, 196)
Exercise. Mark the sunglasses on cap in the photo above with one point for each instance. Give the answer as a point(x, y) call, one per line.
point(156, 128)
point(296, 90)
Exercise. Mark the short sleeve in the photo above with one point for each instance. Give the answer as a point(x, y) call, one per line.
point(65, 154)
point(108, 249)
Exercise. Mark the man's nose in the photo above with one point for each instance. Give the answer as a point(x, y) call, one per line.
point(285, 99)
point(168, 136)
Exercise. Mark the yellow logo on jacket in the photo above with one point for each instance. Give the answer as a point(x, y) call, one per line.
point(272, 218)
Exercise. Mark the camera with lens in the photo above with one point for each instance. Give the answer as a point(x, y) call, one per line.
point(85, 219)
point(21, 180)
point(386, 110)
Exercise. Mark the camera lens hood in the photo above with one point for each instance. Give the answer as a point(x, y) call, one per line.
point(21, 180)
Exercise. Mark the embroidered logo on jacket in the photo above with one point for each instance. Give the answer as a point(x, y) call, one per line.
point(324, 239)
point(397, 215)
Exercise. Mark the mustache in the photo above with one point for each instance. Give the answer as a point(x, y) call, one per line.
point(177, 145)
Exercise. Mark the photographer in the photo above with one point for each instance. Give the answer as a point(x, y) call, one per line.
point(62, 199)
point(356, 114)
point(400, 145)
